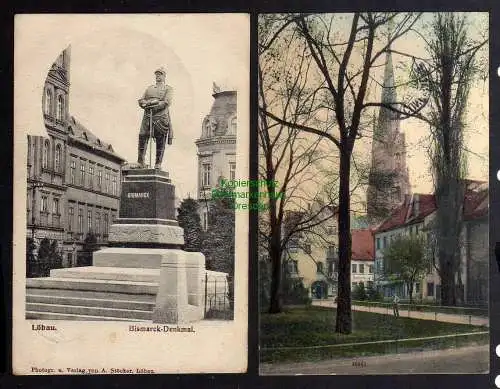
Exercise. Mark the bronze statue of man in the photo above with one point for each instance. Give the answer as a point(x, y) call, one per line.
point(155, 102)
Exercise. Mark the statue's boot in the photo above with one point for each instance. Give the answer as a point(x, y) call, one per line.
point(160, 148)
point(143, 141)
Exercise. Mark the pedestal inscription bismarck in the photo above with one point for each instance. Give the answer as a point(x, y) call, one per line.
point(147, 212)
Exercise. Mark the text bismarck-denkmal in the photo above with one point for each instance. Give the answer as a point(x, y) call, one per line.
point(160, 328)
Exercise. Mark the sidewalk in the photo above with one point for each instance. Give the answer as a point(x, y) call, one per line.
point(437, 316)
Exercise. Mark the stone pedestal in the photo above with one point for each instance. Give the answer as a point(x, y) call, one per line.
point(147, 236)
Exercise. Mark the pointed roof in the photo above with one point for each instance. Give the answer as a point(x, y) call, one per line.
point(388, 88)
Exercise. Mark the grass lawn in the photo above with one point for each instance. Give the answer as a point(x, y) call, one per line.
point(314, 326)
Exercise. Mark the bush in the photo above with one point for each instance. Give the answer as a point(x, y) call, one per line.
point(373, 294)
point(359, 292)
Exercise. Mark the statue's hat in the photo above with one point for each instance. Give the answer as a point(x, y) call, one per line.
point(161, 70)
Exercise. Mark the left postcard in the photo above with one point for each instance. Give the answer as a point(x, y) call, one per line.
point(124, 126)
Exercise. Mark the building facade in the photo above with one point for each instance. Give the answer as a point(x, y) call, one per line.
point(216, 148)
point(73, 177)
point(415, 216)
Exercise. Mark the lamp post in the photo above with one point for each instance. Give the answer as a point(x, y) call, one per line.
point(34, 185)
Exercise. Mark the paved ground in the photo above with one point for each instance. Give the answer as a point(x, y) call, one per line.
point(472, 359)
point(445, 317)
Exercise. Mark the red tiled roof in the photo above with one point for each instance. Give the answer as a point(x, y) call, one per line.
point(363, 247)
point(427, 205)
point(475, 206)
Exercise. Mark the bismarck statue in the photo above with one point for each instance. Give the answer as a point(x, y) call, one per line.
point(156, 121)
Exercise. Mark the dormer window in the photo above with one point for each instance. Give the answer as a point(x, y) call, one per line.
point(98, 142)
point(84, 136)
point(232, 126)
point(70, 130)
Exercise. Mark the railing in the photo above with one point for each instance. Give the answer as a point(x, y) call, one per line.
point(394, 345)
point(218, 297)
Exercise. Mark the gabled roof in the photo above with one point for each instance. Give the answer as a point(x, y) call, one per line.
point(78, 132)
point(406, 214)
point(363, 248)
point(476, 201)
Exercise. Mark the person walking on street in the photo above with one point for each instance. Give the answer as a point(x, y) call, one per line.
point(395, 305)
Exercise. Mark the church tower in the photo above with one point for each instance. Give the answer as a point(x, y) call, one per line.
point(389, 179)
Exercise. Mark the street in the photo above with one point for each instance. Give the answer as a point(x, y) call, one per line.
point(471, 359)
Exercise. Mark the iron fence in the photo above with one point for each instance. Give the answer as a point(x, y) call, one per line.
point(218, 297)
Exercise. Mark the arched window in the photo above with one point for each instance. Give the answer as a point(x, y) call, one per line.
point(46, 151)
point(58, 158)
point(47, 109)
point(232, 126)
point(60, 107)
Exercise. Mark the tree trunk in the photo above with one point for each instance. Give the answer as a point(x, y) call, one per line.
point(275, 304)
point(410, 292)
point(343, 323)
point(448, 290)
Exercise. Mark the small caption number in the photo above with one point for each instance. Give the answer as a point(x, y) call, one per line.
point(359, 363)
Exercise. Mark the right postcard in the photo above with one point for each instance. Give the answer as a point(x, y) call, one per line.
point(373, 145)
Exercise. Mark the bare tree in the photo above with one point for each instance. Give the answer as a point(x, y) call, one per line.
point(340, 70)
point(447, 76)
point(290, 161)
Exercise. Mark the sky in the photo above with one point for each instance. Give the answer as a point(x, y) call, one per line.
point(113, 59)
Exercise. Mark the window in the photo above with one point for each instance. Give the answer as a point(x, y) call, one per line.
point(330, 252)
point(89, 221)
point(354, 268)
point(331, 230)
point(205, 178)
point(99, 179)
point(98, 223)
point(44, 207)
point(60, 108)
point(114, 189)
point(411, 230)
point(72, 171)
point(232, 170)
point(293, 267)
point(384, 245)
point(204, 219)
point(370, 269)
point(47, 109)
point(331, 267)
point(46, 151)
point(319, 267)
point(82, 173)
point(91, 176)
point(80, 220)
point(378, 243)
point(71, 217)
point(416, 230)
point(307, 248)
point(106, 182)
point(430, 289)
point(58, 158)
point(55, 206)
point(361, 268)
point(106, 224)
point(232, 126)
point(417, 287)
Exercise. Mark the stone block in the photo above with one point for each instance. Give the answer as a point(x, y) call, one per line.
point(146, 233)
point(180, 277)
